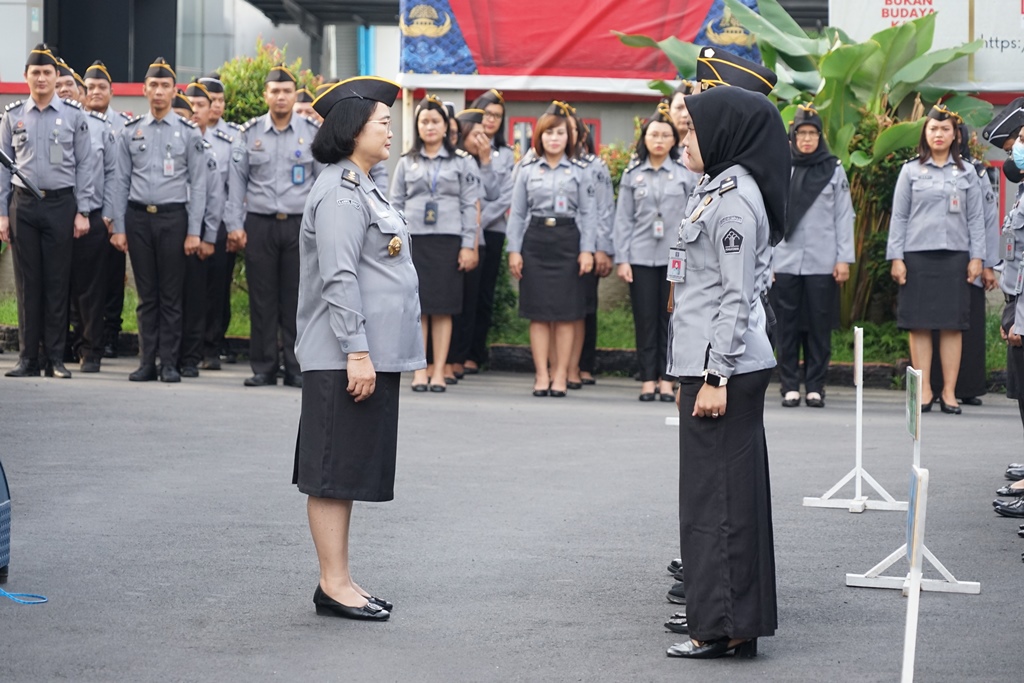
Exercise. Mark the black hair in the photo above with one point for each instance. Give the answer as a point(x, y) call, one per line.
point(465, 128)
point(584, 138)
point(641, 145)
point(417, 141)
point(499, 135)
point(924, 152)
point(336, 139)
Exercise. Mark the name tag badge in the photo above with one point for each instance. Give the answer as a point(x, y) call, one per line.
point(168, 168)
point(430, 213)
point(1006, 244)
point(56, 154)
point(561, 204)
point(298, 174)
point(676, 265)
point(954, 203)
point(1018, 288)
point(659, 227)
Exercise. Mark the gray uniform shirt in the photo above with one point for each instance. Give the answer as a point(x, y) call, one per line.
point(149, 149)
point(647, 194)
point(494, 211)
point(51, 146)
point(272, 170)
point(379, 176)
point(936, 208)
point(535, 191)
point(354, 294)
point(450, 181)
point(1014, 225)
point(824, 236)
point(216, 197)
point(991, 211)
point(718, 312)
point(104, 152)
point(604, 201)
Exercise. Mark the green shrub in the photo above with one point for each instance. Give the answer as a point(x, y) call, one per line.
point(243, 81)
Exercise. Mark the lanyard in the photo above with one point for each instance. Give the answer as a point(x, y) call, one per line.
point(433, 181)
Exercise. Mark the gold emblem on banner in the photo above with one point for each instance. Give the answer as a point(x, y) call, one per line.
point(394, 246)
point(424, 23)
point(732, 32)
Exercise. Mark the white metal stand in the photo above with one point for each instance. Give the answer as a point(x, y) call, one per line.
point(858, 474)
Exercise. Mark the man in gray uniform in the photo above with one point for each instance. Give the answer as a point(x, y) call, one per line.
point(159, 205)
point(272, 170)
point(48, 138)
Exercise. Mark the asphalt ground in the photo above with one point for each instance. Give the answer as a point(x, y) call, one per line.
point(527, 542)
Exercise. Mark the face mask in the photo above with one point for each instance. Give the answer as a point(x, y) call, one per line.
point(1018, 154)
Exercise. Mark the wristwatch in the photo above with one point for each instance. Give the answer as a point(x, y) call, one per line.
point(83, 214)
point(715, 379)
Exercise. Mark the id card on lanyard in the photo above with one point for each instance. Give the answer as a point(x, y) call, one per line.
point(430, 209)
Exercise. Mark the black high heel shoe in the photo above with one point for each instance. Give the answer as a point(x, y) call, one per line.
point(714, 649)
point(327, 606)
point(927, 407)
point(953, 409)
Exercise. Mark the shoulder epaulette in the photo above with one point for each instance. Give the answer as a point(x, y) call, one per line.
point(839, 162)
point(132, 122)
point(223, 136)
point(527, 160)
point(582, 163)
point(188, 122)
point(311, 120)
point(462, 153)
point(207, 145)
point(248, 124)
point(727, 185)
point(236, 126)
point(98, 115)
point(12, 105)
point(351, 177)
point(633, 164)
point(590, 157)
point(913, 158)
point(73, 103)
point(126, 115)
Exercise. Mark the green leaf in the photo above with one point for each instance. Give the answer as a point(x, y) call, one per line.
point(840, 146)
point(860, 159)
point(842, 63)
point(917, 70)
point(925, 33)
point(788, 113)
point(777, 15)
point(974, 112)
point(683, 55)
point(662, 87)
point(897, 47)
point(785, 91)
point(766, 31)
point(838, 107)
point(895, 137)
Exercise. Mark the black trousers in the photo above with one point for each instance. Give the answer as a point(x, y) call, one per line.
point(89, 287)
point(272, 271)
point(42, 232)
point(648, 293)
point(464, 324)
point(588, 356)
point(490, 265)
point(193, 317)
point(114, 305)
point(972, 380)
point(725, 513)
point(220, 271)
point(156, 245)
point(805, 306)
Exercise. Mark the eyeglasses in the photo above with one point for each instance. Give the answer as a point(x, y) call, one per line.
point(808, 134)
point(659, 136)
point(492, 116)
point(386, 122)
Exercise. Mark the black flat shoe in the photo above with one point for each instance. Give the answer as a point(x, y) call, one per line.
point(169, 374)
point(1011, 509)
point(470, 371)
point(949, 409)
point(714, 649)
point(329, 607)
point(790, 402)
point(190, 371)
point(970, 401)
point(451, 381)
point(668, 398)
point(24, 368)
point(381, 602)
point(1009, 491)
point(588, 381)
point(675, 565)
point(676, 595)
point(815, 402)
point(558, 394)
point(574, 385)
point(1015, 473)
point(420, 388)
point(541, 392)
point(459, 375)
point(293, 381)
point(145, 373)
point(646, 398)
point(677, 624)
point(261, 379)
point(438, 388)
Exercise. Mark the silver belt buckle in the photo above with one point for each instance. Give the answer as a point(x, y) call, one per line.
point(550, 222)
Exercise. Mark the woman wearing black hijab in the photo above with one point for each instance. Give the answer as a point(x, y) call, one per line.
point(720, 352)
point(811, 261)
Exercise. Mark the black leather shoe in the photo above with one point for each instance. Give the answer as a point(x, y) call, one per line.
point(970, 401)
point(676, 595)
point(557, 394)
point(1020, 532)
point(927, 407)
point(261, 379)
point(451, 381)
point(228, 356)
point(328, 607)
point(458, 375)
point(419, 388)
point(470, 371)
point(145, 373)
point(668, 398)
point(541, 392)
point(381, 602)
point(647, 398)
point(675, 565)
point(1015, 473)
point(677, 624)
point(714, 649)
point(24, 368)
point(110, 350)
point(1011, 509)
point(791, 402)
point(574, 385)
point(90, 366)
point(949, 409)
point(169, 374)
point(588, 381)
point(814, 402)
point(210, 364)
point(1009, 491)
point(55, 368)
point(189, 371)
point(293, 381)
point(438, 388)
point(678, 576)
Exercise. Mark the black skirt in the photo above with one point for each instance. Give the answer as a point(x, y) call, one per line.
point(972, 379)
point(725, 513)
point(551, 288)
point(436, 258)
point(937, 295)
point(346, 450)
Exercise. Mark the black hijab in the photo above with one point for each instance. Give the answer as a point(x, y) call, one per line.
point(736, 126)
point(811, 172)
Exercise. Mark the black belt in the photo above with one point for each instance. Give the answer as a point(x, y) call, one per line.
point(551, 221)
point(278, 216)
point(1009, 298)
point(47, 194)
point(156, 208)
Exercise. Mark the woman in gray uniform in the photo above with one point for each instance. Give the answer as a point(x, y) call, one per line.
point(358, 329)
point(811, 261)
point(552, 235)
point(652, 202)
point(937, 246)
point(720, 352)
point(435, 186)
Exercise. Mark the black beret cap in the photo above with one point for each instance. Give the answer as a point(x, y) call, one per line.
point(662, 114)
point(41, 55)
point(805, 116)
point(181, 102)
point(471, 116)
point(303, 95)
point(718, 67)
point(360, 87)
point(492, 96)
point(324, 87)
point(160, 69)
point(98, 70)
point(940, 113)
point(212, 82)
point(1006, 123)
point(197, 89)
point(63, 69)
point(279, 74)
point(563, 109)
